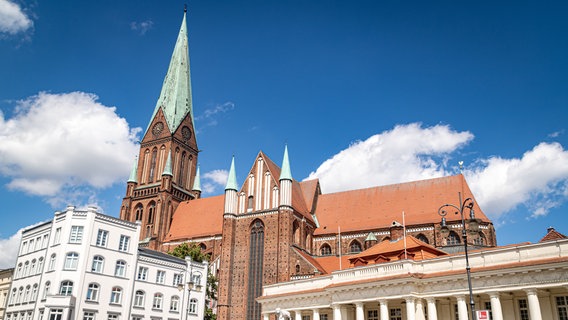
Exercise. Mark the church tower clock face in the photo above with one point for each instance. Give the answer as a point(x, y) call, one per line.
point(158, 128)
point(186, 132)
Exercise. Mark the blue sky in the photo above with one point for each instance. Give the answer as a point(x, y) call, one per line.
point(363, 92)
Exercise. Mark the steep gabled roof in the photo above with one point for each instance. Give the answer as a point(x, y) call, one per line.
point(197, 218)
point(371, 208)
point(552, 235)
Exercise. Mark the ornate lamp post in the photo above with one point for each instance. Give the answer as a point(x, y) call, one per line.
point(473, 228)
point(189, 285)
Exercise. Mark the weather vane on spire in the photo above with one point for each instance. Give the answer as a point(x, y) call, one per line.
point(461, 166)
point(185, 7)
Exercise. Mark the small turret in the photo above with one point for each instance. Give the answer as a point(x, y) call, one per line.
point(231, 190)
point(285, 181)
point(197, 184)
point(167, 174)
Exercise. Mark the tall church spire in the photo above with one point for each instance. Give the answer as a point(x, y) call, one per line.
point(175, 97)
point(232, 180)
point(285, 173)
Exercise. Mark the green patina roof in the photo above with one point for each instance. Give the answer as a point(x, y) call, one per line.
point(133, 172)
point(371, 237)
point(285, 173)
point(175, 97)
point(232, 181)
point(197, 181)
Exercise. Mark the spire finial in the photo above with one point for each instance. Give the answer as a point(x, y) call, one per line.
point(461, 166)
point(185, 7)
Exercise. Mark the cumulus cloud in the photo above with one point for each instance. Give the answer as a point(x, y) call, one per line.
point(64, 146)
point(13, 20)
point(214, 179)
point(405, 153)
point(537, 180)
point(141, 27)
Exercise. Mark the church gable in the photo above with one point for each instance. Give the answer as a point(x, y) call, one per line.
point(260, 190)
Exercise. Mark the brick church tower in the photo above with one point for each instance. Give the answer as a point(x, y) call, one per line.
point(265, 224)
point(165, 172)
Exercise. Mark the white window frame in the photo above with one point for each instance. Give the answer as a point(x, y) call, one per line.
point(124, 242)
point(71, 261)
point(76, 235)
point(102, 237)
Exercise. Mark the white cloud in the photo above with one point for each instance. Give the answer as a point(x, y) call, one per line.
point(210, 114)
point(65, 146)
point(142, 27)
point(537, 180)
point(12, 18)
point(214, 179)
point(405, 153)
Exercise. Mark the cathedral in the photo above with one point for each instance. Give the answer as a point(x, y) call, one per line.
point(271, 227)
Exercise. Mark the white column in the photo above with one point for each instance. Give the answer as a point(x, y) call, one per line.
point(496, 306)
point(534, 305)
point(336, 312)
point(384, 308)
point(410, 309)
point(432, 312)
point(419, 310)
point(359, 311)
point(462, 308)
point(316, 314)
point(298, 315)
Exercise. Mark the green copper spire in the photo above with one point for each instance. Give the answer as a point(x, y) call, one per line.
point(197, 181)
point(168, 167)
point(175, 98)
point(232, 181)
point(133, 172)
point(285, 174)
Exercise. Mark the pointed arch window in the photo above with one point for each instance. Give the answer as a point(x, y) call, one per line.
point(453, 239)
point(256, 256)
point(325, 250)
point(151, 212)
point(181, 169)
point(139, 212)
point(153, 165)
point(422, 238)
point(480, 240)
point(355, 246)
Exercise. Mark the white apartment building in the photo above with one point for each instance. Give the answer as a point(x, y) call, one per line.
point(87, 265)
point(5, 281)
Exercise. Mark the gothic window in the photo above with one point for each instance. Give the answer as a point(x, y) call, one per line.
point(151, 211)
point(181, 169)
point(145, 165)
point(308, 245)
point(480, 240)
point(325, 250)
point(202, 246)
point(422, 238)
point(161, 162)
point(297, 268)
point(139, 212)
point(296, 232)
point(453, 239)
point(250, 203)
point(153, 165)
point(256, 254)
point(355, 247)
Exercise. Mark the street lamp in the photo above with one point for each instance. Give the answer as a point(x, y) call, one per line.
point(190, 285)
point(473, 228)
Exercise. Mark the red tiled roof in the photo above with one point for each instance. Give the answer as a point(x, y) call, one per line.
point(552, 235)
point(310, 260)
point(309, 190)
point(197, 218)
point(377, 207)
point(392, 250)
